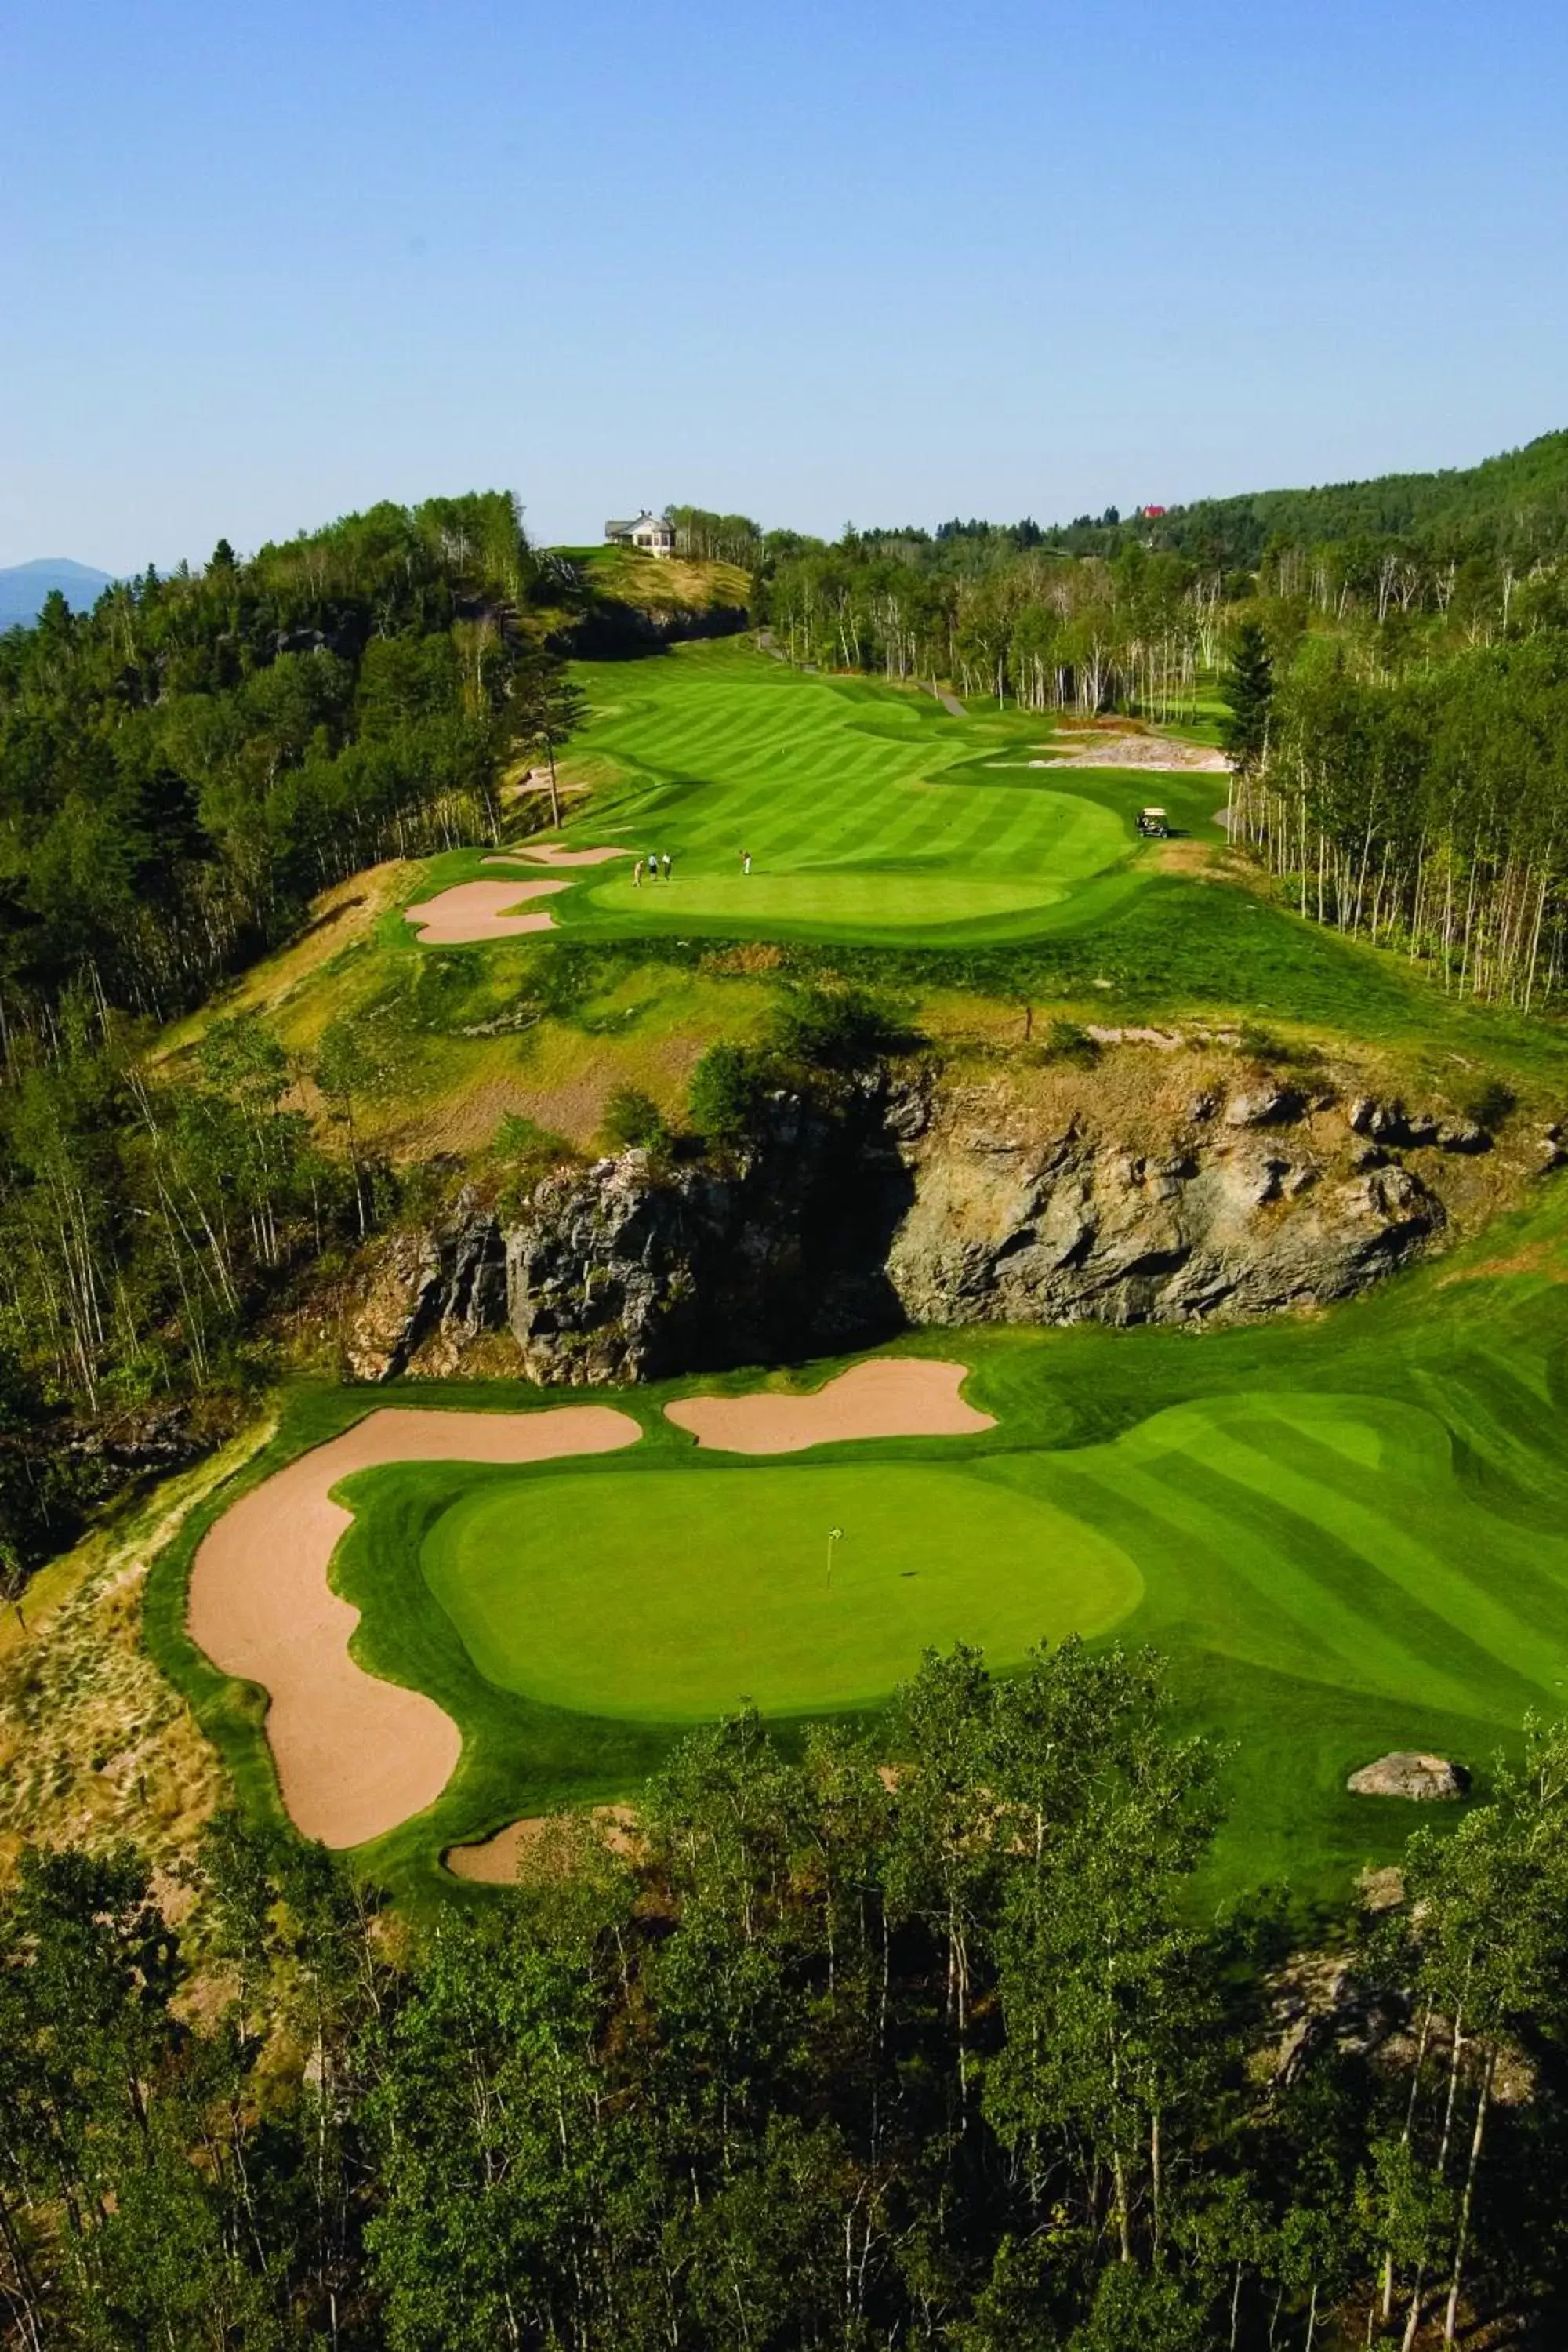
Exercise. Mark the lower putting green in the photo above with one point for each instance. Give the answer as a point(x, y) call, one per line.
point(1346, 1534)
point(665, 1596)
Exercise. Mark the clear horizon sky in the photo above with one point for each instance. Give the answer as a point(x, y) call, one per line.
point(857, 262)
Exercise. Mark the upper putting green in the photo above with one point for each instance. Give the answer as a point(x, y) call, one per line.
point(868, 812)
point(665, 1597)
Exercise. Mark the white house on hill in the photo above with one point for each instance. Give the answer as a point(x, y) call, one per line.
point(650, 531)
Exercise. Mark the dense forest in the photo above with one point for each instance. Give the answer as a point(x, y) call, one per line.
point(183, 767)
point(182, 770)
point(941, 2054)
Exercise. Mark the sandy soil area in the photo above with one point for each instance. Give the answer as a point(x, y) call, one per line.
point(892, 1396)
point(478, 911)
point(354, 1755)
point(494, 1862)
point(551, 853)
point(1158, 752)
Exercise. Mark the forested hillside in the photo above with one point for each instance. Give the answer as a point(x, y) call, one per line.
point(1514, 506)
point(1401, 750)
point(184, 766)
point(182, 770)
point(939, 2056)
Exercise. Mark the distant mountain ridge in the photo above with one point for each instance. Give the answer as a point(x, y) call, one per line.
point(24, 588)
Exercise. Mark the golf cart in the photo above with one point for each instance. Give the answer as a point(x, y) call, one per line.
point(1154, 823)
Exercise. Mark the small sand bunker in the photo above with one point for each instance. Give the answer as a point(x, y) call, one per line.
point(356, 1756)
point(472, 911)
point(496, 1861)
point(892, 1396)
point(551, 853)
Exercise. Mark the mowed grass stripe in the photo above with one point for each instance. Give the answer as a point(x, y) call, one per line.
point(1422, 1531)
point(823, 785)
point(1341, 1626)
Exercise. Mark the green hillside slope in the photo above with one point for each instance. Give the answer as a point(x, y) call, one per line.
point(1514, 504)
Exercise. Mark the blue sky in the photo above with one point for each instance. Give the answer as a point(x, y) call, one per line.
point(835, 262)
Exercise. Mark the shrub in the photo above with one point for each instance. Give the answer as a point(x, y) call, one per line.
point(832, 1029)
point(1489, 1104)
point(529, 1153)
point(727, 1089)
point(633, 1119)
point(1066, 1041)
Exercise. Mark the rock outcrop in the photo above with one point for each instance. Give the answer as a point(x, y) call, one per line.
point(1429, 1780)
point(450, 1281)
point(881, 1201)
point(612, 631)
point(626, 1271)
point(632, 1270)
point(1233, 1219)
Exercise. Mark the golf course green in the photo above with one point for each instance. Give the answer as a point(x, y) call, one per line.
point(1346, 1535)
point(870, 813)
point(672, 1598)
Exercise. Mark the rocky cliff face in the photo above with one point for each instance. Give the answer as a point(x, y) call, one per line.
point(908, 1201)
point(1244, 1212)
point(611, 631)
point(627, 1270)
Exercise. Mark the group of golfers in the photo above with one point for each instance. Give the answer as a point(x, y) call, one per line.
point(657, 862)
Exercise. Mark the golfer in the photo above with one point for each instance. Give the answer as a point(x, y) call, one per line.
point(637, 873)
point(667, 864)
point(653, 865)
point(745, 861)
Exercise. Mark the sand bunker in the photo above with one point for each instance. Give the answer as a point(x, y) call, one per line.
point(893, 1396)
point(551, 853)
point(354, 1755)
point(474, 911)
point(495, 1861)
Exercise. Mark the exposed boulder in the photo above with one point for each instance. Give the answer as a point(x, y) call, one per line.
point(1425, 1778)
point(1266, 1105)
point(1390, 1123)
point(1319, 2004)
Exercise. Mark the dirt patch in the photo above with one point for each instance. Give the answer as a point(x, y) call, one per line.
point(749, 960)
point(356, 1756)
point(1535, 1258)
point(497, 1861)
point(1162, 753)
point(476, 911)
point(892, 1396)
point(551, 853)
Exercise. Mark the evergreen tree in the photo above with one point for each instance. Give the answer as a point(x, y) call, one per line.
point(1249, 692)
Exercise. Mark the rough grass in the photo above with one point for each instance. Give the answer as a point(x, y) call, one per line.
point(95, 1744)
point(1349, 1532)
point(659, 583)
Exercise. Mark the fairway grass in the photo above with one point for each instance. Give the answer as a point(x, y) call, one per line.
point(672, 1598)
point(869, 815)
